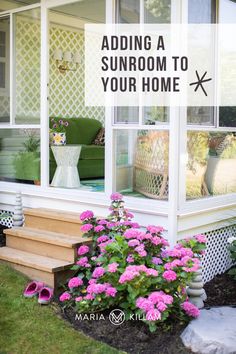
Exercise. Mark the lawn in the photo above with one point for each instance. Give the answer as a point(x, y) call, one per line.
point(28, 328)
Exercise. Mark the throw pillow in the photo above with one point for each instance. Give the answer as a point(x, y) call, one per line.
point(100, 138)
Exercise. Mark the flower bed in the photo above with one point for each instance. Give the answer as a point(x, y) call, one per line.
point(133, 269)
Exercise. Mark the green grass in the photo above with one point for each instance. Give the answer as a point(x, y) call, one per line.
point(28, 328)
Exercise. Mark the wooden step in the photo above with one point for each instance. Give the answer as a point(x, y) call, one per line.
point(53, 220)
point(45, 243)
point(49, 270)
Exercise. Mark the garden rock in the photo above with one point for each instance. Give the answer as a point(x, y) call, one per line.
point(213, 332)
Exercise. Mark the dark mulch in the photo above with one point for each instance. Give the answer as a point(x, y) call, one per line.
point(2, 236)
point(134, 336)
point(221, 291)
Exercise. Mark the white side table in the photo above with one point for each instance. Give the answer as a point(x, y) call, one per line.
point(66, 174)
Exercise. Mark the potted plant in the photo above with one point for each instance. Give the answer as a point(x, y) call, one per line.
point(58, 132)
point(27, 162)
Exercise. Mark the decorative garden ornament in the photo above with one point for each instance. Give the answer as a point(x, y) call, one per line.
point(195, 290)
point(18, 218)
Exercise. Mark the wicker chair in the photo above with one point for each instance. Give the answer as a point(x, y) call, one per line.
point(151, 165)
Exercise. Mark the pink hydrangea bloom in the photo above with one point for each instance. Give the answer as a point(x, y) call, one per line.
point(89, 297)
point(112, 268)
point(156, 240)
point(134, 225)
point(82, 262)
point(86, 227)
point(116, 197)
point(102, 238)
point(152, 272)
point(99, 228)
point(169, 275)
point(83, 250)
point(79, 298)
point(156, 260)
point(130, 259)
point(65, 296)
point(133, 233)
point(88, 214)
point(153, 315)
point(127, 276)
point(110, 291)
point(201, 238)
point(144, 304)
point(129, 215)
point(190, 309)
point(96, 288)
point(75, 282)
point(155, 229)
point(102, 222)
point(161, 306)
point(92, 281)
point(133, 243)
point(98, 272)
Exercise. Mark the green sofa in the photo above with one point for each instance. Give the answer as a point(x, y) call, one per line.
point(83, 131)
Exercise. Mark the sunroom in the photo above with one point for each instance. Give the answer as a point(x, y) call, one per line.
point(174, 165)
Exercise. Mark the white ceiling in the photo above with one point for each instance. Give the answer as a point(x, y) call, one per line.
point(92, 10)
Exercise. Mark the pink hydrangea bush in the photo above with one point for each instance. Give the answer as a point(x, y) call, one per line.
point(133, 269)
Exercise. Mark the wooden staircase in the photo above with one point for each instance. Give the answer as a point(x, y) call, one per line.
point(46, 247)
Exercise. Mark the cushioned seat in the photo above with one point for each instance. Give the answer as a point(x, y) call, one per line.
point(92, 152)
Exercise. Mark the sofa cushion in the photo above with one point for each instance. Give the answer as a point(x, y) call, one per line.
point(100, 138)
point(92, 152)
point(80, 130)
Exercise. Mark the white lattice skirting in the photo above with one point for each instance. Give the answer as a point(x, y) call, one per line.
point(217, 257)
point(6, 221)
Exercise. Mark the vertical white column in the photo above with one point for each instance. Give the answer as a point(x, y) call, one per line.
point(173, 175)
point(44, 97)
point(12, 70)
point(110, 162)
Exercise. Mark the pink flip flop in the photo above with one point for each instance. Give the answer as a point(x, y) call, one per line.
point(33, 288)
point(45, 296)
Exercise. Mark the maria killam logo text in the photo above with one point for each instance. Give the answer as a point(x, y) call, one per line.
point(116, 317)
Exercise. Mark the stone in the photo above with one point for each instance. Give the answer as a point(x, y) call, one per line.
point(195, 290)
point(213, 332)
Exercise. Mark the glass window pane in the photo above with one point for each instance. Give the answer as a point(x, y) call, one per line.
point(2, 75)
point(127, 115)
point(201, 11)
point(227, 11)
point(27, 67)
point(83, 124)
point(20, 155)
point(128, 11)
point(13, 4)
point(211, 164)
point(157, 11)
point(156, 115)
point(227, 116)
point(201, 116)
point(142, 158)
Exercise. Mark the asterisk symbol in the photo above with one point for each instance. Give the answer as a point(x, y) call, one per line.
point(200, 81)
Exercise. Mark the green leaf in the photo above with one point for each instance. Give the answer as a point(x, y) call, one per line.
point(74, 267)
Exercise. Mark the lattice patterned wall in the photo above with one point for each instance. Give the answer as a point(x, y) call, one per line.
point(27, 69)
point(217, 257)
point(67, 90)
point(4, 106)
point(6, 221)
